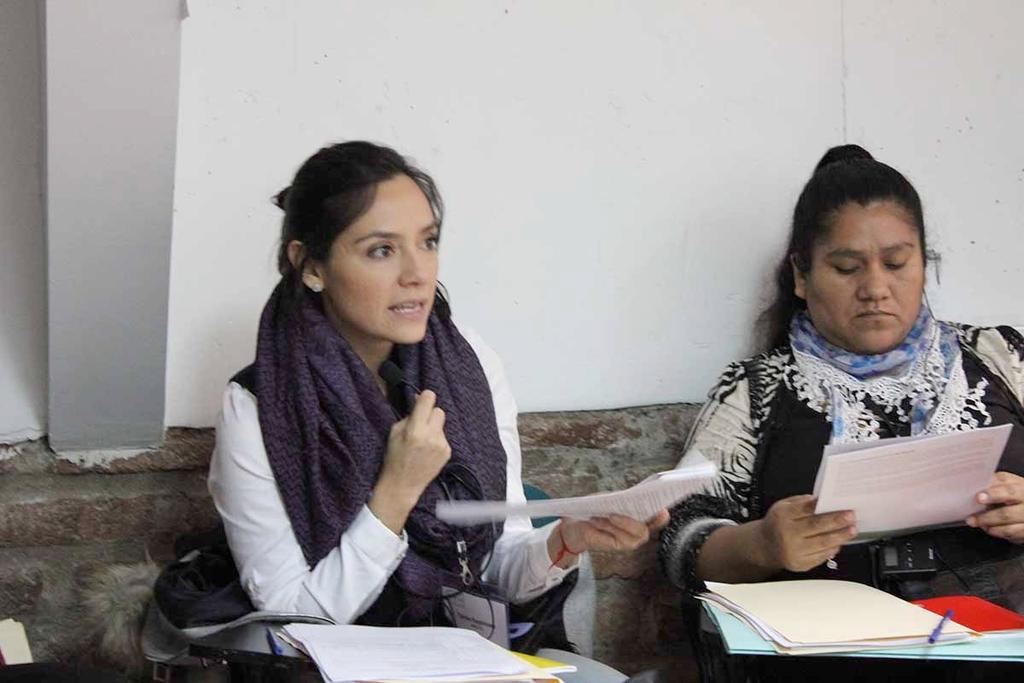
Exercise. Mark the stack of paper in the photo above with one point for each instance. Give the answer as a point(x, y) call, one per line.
point(641, 502)
point(346, 653)
point(13, 643)
point(818, 616)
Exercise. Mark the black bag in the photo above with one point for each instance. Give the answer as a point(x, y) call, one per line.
point(202, 588)
point(545, 613)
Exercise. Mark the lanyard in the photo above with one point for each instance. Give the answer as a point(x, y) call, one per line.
point(467, 573)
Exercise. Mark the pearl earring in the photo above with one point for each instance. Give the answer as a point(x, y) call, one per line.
point(315, 286)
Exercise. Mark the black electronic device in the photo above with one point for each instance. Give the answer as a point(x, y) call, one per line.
point(394, 376)
point(905, 559)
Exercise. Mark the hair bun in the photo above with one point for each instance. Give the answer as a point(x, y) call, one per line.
point(281, 198)
point(842, 153)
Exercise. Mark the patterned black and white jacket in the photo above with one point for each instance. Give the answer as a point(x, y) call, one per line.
point(763, 415)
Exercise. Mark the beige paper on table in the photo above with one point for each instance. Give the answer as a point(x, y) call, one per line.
point(14, 642)
point(819, 612)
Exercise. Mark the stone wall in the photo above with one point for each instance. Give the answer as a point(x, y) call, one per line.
point(62, 518)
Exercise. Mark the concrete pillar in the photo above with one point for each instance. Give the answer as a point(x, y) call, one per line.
point(111, 88)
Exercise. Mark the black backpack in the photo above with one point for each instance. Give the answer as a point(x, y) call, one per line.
point(202, 587)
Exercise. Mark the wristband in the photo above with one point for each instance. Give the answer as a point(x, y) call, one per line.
point(564, 550)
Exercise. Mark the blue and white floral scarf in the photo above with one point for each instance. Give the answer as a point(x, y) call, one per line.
point(925, 370)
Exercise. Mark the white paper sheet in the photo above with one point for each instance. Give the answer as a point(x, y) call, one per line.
point(368, 653)
point(14, 643)
point(641, 502)
point(908, 483)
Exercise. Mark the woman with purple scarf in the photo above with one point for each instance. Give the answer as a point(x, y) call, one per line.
point(853, 354)
point(325, 474)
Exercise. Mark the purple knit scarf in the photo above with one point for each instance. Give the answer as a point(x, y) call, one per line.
point(325, 426)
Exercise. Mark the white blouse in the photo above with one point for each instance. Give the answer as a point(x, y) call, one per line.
point(349, 579)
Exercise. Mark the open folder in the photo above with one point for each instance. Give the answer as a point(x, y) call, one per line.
point(641, 502)
point(817, 616)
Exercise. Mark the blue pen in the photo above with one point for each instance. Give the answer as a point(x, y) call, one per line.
point(275, 647)
point(938, 629)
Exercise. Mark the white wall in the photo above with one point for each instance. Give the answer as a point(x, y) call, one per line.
point(598, 162)
point(619, 175)
point(22, 251)
point(938, 89)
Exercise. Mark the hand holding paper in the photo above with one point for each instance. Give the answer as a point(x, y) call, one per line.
point(642, 502)
point(797, 539)
point(614, 532)
point(1005, 519)
point(897, 485)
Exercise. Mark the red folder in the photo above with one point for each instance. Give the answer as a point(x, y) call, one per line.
point(975, 613)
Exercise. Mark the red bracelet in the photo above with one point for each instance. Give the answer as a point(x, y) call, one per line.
point(565, 548)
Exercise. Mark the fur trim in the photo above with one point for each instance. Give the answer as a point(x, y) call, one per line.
point(114, 602)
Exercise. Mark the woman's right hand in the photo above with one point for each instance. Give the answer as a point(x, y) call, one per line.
point(417, 451)
point(792, 537)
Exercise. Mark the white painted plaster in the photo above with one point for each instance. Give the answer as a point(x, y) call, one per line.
point(618, 176)
point(937, 89)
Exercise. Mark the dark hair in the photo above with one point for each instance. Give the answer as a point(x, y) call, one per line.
point(331, 190)
point(845, 174)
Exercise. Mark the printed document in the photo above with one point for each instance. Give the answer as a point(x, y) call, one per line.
point(897, 485)
point(369, 653)
point(641, 502)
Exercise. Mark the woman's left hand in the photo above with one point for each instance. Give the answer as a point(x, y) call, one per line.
point(615, 533)
point(1005, 518)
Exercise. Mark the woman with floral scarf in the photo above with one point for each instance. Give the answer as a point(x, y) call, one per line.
point(854, 354)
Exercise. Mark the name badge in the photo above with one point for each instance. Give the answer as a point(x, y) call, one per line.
point(481, 608)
